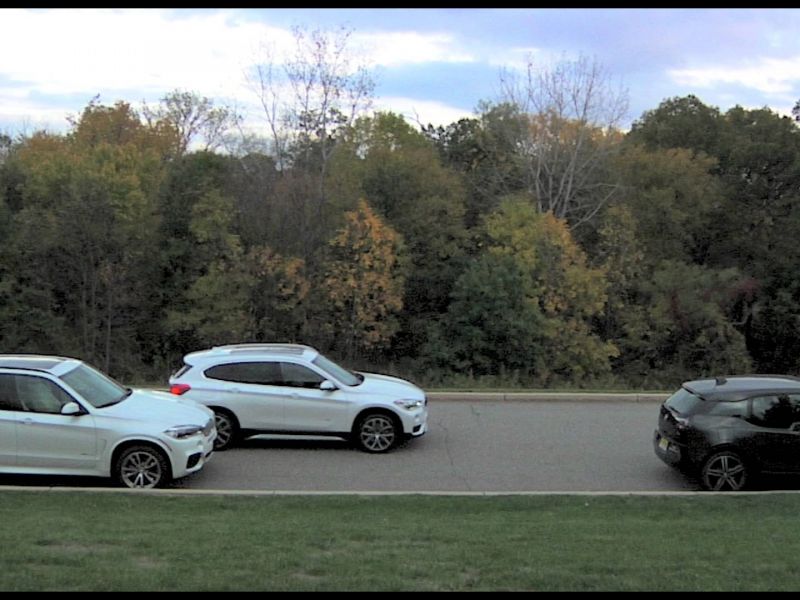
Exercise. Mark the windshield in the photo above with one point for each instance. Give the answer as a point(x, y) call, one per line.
point(97, 389)
point(340, 373)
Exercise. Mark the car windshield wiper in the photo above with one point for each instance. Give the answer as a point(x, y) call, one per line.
point(128, 392)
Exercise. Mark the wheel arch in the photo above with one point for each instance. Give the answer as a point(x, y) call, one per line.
point(726, 447)
point(224, 409)
point(363, 412)
point(130, 443)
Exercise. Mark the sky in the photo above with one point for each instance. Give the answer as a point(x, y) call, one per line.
point(429, 65)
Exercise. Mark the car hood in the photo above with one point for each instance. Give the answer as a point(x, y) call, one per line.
point(159, 407)
point(391, 386)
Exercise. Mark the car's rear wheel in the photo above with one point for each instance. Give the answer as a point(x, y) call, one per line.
point(142, 467)
point(725, 471)
point(377, 432)
point(227, 429)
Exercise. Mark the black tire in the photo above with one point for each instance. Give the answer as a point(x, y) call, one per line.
point(142, 467)
point(377, 432)
point(725, 471)
point(227, 429)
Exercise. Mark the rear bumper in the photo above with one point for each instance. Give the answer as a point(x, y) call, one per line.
point(668, 451)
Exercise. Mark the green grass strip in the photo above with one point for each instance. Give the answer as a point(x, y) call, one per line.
point(130, 542)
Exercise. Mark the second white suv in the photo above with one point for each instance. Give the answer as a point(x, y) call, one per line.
point(293, 389)
point(60, 416)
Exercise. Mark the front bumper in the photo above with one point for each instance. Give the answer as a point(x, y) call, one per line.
point(416, 423)
point(191, 454)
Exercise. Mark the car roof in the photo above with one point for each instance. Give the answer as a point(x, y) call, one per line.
point(34, 362)
point(251, 351)
point(739, 387)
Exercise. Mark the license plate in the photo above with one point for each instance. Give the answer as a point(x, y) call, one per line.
point(663, 443)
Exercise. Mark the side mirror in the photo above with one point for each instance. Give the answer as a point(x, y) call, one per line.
point(328, 386)
point(71, 409)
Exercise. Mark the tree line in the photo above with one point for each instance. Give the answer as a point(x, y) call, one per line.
point(530, 245)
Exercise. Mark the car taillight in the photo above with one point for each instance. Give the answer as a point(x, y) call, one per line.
point(179, 388)
point(681, 423)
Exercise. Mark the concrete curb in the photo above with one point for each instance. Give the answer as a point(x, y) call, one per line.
point(544, 397)
point(187, 492)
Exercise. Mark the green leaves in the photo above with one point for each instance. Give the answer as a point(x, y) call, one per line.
point(526, 303)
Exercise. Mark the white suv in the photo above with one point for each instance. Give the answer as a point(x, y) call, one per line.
point(293, 389)
point(59, 416)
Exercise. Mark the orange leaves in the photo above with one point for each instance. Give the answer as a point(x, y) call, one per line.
point(363, 280)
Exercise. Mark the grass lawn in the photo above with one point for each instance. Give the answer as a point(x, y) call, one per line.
point(94, 541)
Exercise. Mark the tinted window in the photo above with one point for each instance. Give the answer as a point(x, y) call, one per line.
point(300, 376)
point(683, 402)
point(264, 373)
point(729, 409)
point(778, 411)
point(39, 395)
point(8, 393)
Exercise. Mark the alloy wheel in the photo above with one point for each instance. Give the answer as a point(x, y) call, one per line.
point(226, 430)
point(725, 471)
point(377, 433)
point(141, 469)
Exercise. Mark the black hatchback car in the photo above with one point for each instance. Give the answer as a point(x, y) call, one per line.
point(726, 430)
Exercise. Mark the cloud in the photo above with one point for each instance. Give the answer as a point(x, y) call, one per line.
point(771, 76)
point(423, 112)
point(61, 52)
point(393, 49)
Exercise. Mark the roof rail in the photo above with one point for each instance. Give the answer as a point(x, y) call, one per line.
point(267, 347)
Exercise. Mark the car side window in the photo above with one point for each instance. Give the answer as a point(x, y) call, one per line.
point(780, 411)
point(39, 395)
point(729, 409)
point(8, 393)
point(295, 375)
point(262, 373)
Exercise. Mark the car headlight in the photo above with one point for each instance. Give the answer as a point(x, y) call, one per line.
point(410, 404)
point(183, 431)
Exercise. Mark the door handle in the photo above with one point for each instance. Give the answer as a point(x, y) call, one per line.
point(28, 421)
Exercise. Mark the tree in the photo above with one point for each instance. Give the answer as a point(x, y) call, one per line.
point(194, 118)
point(485, 151)
point(326, 93)
point(382, 158)
point(279, 296)
point(493, 325)
point(310, 96)
point(672, 195)
point(550, 286)
point(680, 123)
point(573, 118)
point(688, 333)
point(215, 307)
point(83, 230)
point(363, 281)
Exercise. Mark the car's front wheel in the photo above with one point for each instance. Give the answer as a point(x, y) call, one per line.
point(724, 471)
point(227, 429)
point(377, 432)
point(142, 467)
